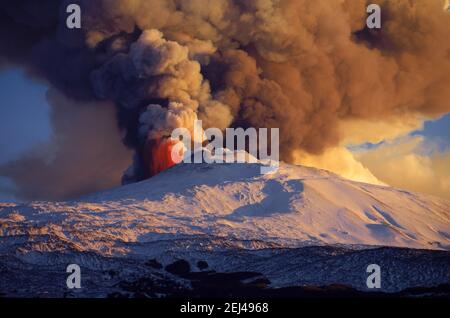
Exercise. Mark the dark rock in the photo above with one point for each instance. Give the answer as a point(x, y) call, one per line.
point(202, 265)
point(153, 263)
point(179, 268)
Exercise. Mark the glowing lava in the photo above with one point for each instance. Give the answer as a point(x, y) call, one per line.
point(158, 155)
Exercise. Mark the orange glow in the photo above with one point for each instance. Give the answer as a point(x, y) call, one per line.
point(157, 155)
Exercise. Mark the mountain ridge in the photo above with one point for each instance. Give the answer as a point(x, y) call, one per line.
point(293, 206)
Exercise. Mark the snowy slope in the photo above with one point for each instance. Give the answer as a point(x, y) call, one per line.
point(240, 223)
point(295, 206)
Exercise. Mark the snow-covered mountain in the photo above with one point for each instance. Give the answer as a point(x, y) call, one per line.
point(294, 206)
point(204, 211)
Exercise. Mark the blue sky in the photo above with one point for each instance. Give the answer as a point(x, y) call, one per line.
point(438, 132)
point(436, 135)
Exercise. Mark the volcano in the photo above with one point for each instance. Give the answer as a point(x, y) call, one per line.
point(297, 226)
point(158, 156)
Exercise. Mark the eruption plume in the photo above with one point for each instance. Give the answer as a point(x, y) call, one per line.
point(158, 155)
point(308, 67)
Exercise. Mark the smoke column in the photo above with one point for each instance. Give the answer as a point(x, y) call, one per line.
point(308, 67)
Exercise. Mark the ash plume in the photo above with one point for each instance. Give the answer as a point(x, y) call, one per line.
point(307, 67)
point(84, 154)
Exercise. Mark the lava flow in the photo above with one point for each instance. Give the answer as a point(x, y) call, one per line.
point(158, 155)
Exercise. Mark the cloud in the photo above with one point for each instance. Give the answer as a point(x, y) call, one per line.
point(403, 164)
point(338, 160)
point(359, 131)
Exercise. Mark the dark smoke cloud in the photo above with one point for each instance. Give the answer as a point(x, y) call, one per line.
point(303, 66)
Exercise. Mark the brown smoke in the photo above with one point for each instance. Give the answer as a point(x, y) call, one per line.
point(307, 67)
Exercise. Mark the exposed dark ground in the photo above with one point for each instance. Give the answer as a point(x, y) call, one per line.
point(308, 272)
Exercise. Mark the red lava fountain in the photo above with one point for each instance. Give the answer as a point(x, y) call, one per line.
point(158, 155)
